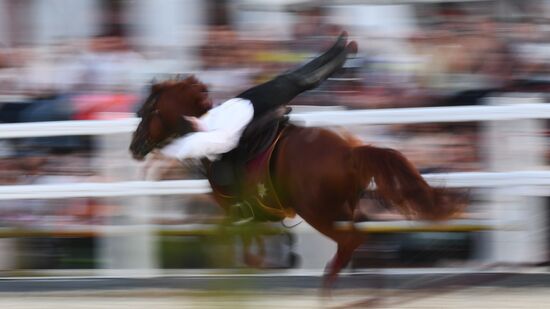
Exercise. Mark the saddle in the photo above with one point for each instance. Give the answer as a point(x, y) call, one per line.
point(243, 175)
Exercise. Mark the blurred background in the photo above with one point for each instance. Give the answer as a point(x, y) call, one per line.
point(95, 60)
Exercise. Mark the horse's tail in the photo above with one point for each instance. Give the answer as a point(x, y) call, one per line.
point(398, 182)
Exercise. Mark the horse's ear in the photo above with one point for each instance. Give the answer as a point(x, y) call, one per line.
point(155, 86)
point(192, 79)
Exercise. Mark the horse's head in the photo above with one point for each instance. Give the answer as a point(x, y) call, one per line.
point(162, 113)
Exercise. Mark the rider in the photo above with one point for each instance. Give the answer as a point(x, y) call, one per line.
point(218, 131)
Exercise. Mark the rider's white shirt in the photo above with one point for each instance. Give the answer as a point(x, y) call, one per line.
point(221, 129)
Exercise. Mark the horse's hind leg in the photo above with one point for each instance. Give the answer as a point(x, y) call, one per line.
point(347, 244)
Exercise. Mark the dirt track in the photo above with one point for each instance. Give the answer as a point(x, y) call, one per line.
point(472, 298)
point(498, 290)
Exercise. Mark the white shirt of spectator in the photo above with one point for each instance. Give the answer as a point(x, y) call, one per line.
point(220, 131)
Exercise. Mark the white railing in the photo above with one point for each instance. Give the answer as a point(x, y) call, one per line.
point(67, 128)
point(108, 189)
point(324, 118)
point(518, 180)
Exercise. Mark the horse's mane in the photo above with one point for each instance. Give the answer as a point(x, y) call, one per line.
point(157, 87)
point(148, 105)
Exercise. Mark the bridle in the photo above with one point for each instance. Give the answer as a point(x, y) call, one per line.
point(181, 129)
point(163, 121)
point(150, 111)
point(151, 105)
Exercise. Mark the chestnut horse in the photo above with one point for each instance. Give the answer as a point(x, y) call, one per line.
point(318, 173)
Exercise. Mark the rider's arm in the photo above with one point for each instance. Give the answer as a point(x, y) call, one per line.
point(196, 145)
point(223, 127)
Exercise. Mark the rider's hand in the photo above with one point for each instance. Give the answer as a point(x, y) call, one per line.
point(195, 123)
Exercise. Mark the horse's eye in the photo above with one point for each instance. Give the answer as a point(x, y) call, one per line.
point(156, 112)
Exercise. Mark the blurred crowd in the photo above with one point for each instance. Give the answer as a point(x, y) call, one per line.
point(458, 58)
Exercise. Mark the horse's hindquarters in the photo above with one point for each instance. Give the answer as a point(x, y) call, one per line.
point(313, 171)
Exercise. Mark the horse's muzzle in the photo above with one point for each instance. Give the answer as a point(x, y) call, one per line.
point(140, 150)
point(138, 157)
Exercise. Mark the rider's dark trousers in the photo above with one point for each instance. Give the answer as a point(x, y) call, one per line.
point(283, 88)
point(272, 94)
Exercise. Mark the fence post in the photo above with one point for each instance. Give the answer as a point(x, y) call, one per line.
point(516, 145)
point(127, 245)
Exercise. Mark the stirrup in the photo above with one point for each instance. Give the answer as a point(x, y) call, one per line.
point(242, 212)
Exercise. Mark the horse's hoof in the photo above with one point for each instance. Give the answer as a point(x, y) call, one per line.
point(328, 283)
point(253, 261)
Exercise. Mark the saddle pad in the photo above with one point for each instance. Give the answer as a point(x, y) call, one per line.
point(258, 188)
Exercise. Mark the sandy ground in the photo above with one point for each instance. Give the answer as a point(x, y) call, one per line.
point(472, 298)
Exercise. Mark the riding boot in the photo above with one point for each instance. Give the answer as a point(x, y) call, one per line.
point(309, 79)
point(327, 56)
point(285, 87)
